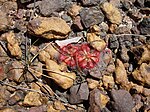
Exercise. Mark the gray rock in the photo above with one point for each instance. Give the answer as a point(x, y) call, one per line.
point(91, 16)
point(47, 7)
point(122, 101)
point(145, 25)
point(91, 2)
point(78, 93)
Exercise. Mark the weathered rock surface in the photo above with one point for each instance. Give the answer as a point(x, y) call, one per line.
point(91, 16)
point(91, 2)
point(47, 7)
point(112, 13)
point(3, 21)
point(50, 28)
point(122, 101)
point(34, 99)
point(62, 78)
point(78, 93)
point(145, 25)
point(142, 74)
point(98, 100)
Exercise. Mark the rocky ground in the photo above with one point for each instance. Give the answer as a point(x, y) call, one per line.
point(74, 56)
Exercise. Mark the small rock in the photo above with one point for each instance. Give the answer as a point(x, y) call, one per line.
point(91, 2)
point(63, 78)
point(78, 93)
point(74, 10)
point(13, 45)
point(4, 96)
point(120, 72)
point(2, 73)
point(38, 109)
point(47, 7)
point(33, 99)
point(108, 82)
point(124, 54)
point(17, 96)
point(59, 106)
point(92, 83)
point(144, 25)
point(8, 110)
point(91, 16)
point(142, 74)
point(113, 41)
point(50, 28)
point(98, 100)
point(94, 40)
point(112, 13)
point(122, 101)
point(77, 26)
point(140, 3)
point(3, 21)
point(15, 73)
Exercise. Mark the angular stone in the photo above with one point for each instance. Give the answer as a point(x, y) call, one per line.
point(142, 74)
point(92, 83)
point(145, 25)
point(47, 7)
point(108, 82)
point(112, 13)
point(91, 2)
point(33, 99)
point(50, 28)
point(91, 16)
point(122, 101)
point(98, 100)
point(74, 10)
point(3, 21)
point(78, 93)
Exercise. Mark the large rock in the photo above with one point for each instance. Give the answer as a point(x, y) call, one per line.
point(50, 28)
point(112, 13)
point(122, 101)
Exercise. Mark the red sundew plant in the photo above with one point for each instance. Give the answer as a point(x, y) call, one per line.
point(82, 55)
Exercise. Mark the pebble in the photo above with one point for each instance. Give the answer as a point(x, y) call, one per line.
point(112, 13)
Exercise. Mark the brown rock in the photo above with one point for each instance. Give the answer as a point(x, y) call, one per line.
point(108, 82)
point(38, 109)
point(112, 13)
point(98, 100)
point(59, 106)
point(95, 40)
point(3, 54)
point(15, 71)
point(13, 45)
point(78, 93)
point(142, 74)
point(50, 28)
point(4, 96)
point(33, 99)
point(8, 110)
point(92, 83)
point(2, 73)
point(142, 53)
point(63, 79)
point(120, 72)
point(77, 26)
point(74, 10)
point(3, 21)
